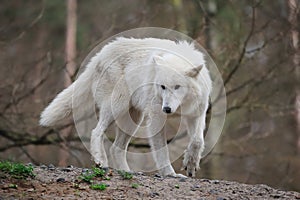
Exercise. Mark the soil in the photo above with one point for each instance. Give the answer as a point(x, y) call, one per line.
point(63, 183)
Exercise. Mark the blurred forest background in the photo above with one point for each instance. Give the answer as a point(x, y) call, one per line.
point(255, 45)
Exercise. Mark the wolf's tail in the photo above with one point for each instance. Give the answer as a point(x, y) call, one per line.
point(73, 97)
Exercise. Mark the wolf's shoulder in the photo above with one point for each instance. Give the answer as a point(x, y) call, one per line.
point(150, 41)
point(183, 48)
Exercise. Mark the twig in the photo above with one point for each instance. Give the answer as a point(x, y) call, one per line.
point(242, 54)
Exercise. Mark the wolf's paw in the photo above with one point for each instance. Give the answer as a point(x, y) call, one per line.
point(169, 172)
point(190, 170)
point(100, 164)
point(190, 164)
point(174, 175)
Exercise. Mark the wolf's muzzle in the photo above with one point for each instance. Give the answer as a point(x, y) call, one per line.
point(167, 109)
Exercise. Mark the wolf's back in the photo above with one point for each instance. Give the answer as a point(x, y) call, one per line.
point(76, 95)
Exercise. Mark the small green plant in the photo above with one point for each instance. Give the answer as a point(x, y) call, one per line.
point(13, 186)
point(87, 177)
point(135, 185)
point(77, 193)
point(101, 186)
point(90, 175)
point(98, 172)
point(16, 170)
point(125, 175)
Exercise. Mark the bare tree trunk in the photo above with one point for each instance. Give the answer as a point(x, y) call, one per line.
point(209, 9)
point(70, 52)
point(71, 41)
point(294, 22)
point(180, 22)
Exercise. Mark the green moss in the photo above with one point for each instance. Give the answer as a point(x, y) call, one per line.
point(101, 186)
point(135, 185)
point(125, 175)
point(16, 170)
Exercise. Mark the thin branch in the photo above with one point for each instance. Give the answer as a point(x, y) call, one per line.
point(35, 21)
point(246, 83)
point(27, 94)
point(266, 76)
point(30, 92)
point(29, 156)
point(25, 139)
point(242, 54)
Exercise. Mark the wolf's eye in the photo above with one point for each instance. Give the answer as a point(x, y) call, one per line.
point(177, 86)
point(163, 87)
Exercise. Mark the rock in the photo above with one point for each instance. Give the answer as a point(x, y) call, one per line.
point(153, 194)
point(105, 168)
point(30, 164)
point(205, 180)
point(182, 179)
point(51, 167)
point(66, 169)
point(43, 167)
point(212, 191)
point(140, 173)
point(61, 180)
point(30, 190)
point(85, 170)
point(276, 196)
point(195, 187)
point(157, 176)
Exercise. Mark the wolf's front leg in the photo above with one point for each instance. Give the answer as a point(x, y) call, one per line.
point(160, 154)
point(118, 150)
point(195, 148)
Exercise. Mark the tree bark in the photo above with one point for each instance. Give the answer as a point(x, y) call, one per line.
point(294, 34)
point(70, 55)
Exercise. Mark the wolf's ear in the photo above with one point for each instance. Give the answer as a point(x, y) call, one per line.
point(194, 71)
point(158, 60)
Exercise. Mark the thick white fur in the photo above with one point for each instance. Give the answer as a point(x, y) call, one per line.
point(128, 74)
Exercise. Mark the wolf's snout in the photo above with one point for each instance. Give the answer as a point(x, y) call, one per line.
point(167, 109)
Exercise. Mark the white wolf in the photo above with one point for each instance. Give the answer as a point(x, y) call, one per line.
point(141, 75)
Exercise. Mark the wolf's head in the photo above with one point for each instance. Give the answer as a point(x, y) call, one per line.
point(173, 76)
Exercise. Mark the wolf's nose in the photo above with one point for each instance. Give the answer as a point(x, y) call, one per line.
point(167, 109)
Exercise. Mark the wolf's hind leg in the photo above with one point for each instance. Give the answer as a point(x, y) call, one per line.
point(118, 150)
point(97, 146)
point(98, 134)
point(110, 109)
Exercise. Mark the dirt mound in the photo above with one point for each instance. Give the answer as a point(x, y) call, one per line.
point(77, 183)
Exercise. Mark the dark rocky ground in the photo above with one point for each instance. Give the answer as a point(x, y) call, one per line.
point(63, 183)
